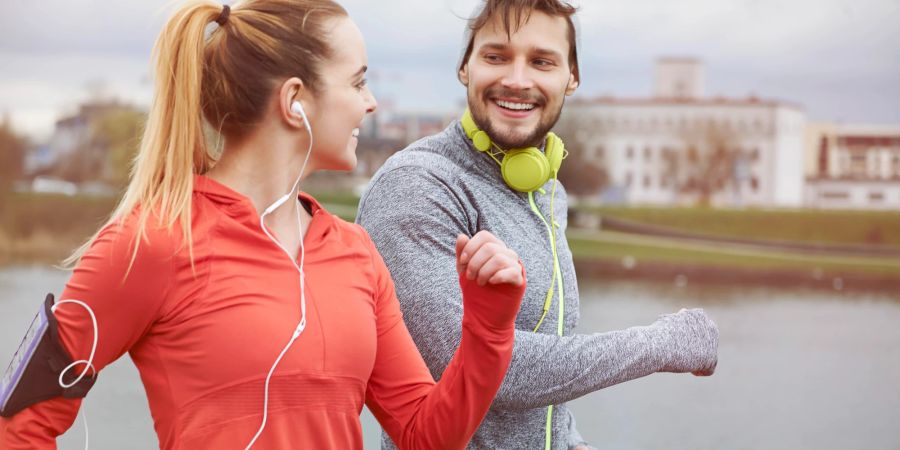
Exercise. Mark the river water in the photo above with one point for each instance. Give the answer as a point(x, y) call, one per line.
point(797, 370)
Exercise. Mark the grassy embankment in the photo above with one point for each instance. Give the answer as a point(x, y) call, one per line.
point(830, 228)
point(45, 228)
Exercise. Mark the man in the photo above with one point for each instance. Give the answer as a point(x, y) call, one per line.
point(519, 64)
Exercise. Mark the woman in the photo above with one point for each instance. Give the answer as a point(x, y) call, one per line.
point(257, 318)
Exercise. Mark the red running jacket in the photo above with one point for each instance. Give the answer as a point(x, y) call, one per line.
point(203, 337)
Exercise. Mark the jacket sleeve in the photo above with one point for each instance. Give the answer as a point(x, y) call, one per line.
point(416, 412)
point(125, 307)
point(413, 218)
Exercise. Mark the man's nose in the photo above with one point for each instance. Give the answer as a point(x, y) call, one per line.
point(518, 77)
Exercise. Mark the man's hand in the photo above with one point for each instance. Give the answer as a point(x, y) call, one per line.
point(694, 340)
point(486, 259)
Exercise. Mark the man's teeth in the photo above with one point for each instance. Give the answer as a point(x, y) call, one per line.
point(516, 106)
point(356, 132)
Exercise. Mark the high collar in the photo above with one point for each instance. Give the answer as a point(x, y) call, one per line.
point(239, 204)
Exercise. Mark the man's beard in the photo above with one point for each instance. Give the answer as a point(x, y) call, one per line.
point(513, 140)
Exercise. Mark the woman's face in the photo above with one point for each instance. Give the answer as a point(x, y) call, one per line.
point(343, 100)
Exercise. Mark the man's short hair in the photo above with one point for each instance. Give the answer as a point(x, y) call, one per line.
point(514, 13)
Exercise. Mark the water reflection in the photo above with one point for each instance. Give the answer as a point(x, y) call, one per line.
point(797, 370)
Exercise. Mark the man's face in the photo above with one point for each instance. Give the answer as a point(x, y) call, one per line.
point(516, 85)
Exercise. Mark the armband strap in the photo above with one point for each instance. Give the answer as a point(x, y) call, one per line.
point(33, 374)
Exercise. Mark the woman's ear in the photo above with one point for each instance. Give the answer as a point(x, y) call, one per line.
point(290, 95)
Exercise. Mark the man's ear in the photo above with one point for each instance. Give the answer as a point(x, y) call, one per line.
point(463, 75)
point(573, 84)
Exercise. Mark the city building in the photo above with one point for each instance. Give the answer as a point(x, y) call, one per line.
point(853, 166)
point(680, 147)
point(74, 134)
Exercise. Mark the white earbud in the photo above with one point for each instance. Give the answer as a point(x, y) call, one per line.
point(297, 108)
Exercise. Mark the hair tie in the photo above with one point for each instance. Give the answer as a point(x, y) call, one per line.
point(223, 16)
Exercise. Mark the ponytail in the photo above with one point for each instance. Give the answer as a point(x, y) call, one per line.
point(224, 79)
point(173, 147)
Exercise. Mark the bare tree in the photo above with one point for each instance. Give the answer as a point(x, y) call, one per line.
point(12, 159)
point(580, 174)
point(108, 148)
point(707, 165)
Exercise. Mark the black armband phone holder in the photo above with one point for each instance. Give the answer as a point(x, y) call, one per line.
point(33, 374)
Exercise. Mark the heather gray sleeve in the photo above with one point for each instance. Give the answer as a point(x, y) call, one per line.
point(414, 218)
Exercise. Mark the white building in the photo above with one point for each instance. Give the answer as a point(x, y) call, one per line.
point(853, 166)
point(679, 147)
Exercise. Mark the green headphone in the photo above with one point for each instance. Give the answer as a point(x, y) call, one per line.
point(523, 169)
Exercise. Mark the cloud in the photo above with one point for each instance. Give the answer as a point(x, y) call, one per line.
point(89, 26)
point(837, 57)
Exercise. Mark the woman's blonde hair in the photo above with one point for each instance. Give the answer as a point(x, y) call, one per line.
point(224, 76)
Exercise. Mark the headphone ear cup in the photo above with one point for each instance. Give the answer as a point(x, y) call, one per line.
point(555, 151)
point(526, 169)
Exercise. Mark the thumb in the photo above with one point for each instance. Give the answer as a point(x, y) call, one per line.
point(461, 241)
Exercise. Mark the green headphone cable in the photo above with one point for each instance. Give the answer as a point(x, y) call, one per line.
point(557, 277)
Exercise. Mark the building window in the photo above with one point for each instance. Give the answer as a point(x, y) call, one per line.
point(858, 164)
point(876, 196)
point(647, 153)
point(646, 181)
point(628, 179)
point(754, 183)
point(629, 153)
point(835, 195)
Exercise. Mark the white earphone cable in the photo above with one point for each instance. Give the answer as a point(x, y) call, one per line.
point(89, 363)
point(302, 325)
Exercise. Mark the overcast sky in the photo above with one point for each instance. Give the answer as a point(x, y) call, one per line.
point(839, 59)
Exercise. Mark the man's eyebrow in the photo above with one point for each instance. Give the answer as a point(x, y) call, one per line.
point(547, 52)
point(536, 50)
point(494, 46)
